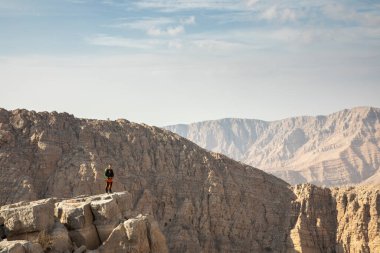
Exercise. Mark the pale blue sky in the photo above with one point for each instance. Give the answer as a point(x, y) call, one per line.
point(174, 61)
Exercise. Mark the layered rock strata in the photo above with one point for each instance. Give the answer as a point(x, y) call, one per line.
point(202, 201)
point(94, 224)
point(335, 220)
point(339, 149)
point(321, 220)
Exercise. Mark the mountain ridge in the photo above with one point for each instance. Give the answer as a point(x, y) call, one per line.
point(202, 201)
point(271, 145)
point(181, 185)
point(285, 118)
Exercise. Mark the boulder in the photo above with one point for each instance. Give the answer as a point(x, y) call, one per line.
point(74, 213)
point(12, 247)
point(31, 247)
point(107, 215)
point(60, 239)
point(20, 246)
point(86, 236)
point(135, 235)
point(79, 225)
point(29, 217)
point(77, 216)
point(124, 202)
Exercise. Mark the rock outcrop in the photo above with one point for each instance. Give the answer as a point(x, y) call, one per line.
point(98, 224)
point(335, 150)
point(336, 220)
point(319, 220)
point(20, 246)
point(201, 201)
point(358, 219)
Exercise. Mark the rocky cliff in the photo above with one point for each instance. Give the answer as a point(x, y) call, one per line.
point(337, 220)
point(339, 149)
point(202, 201)
point(97, 224)
point(318, 220)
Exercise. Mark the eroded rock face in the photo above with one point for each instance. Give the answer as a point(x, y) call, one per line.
point(202, 201)
point(20, 246)
point(60, 239)
point(336, 220)
point(22, 218)
point(77, 216)
point(84, 224)
point(315, 224)
point(320, 220)
point(143, 235)
point(358, 215)
point(338, 149)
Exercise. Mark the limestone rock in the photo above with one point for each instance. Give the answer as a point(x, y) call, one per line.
point(107, 216)
point(11, 247)
point(124, 202)
point(201, 201)
point(333, 150)
point(138, 235)
point(337, 220)
point(19, 246)
point(80, 223)
point(77, 216)
point(33, 248)
point(30, 217)
point(74, 213)
point(60, 240)
point(315, 220)
point(358, 215)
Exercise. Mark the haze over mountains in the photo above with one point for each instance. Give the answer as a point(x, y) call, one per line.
point(338, 149)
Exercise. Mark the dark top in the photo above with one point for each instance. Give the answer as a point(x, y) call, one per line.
point(108, 173)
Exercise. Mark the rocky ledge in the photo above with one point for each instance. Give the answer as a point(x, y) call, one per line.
point(96, 224)
point(324, 220)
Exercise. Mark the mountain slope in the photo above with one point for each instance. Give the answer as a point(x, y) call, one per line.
point(338, 149)
point(202, 201)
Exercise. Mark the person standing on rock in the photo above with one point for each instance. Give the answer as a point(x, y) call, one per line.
point(108, 173)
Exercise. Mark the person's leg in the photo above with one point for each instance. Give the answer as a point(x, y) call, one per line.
point(107, 187)
point(110, 189)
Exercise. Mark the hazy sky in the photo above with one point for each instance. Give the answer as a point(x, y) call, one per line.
point(175, 61)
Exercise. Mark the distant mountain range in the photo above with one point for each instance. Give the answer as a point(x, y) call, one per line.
point(342, 148)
